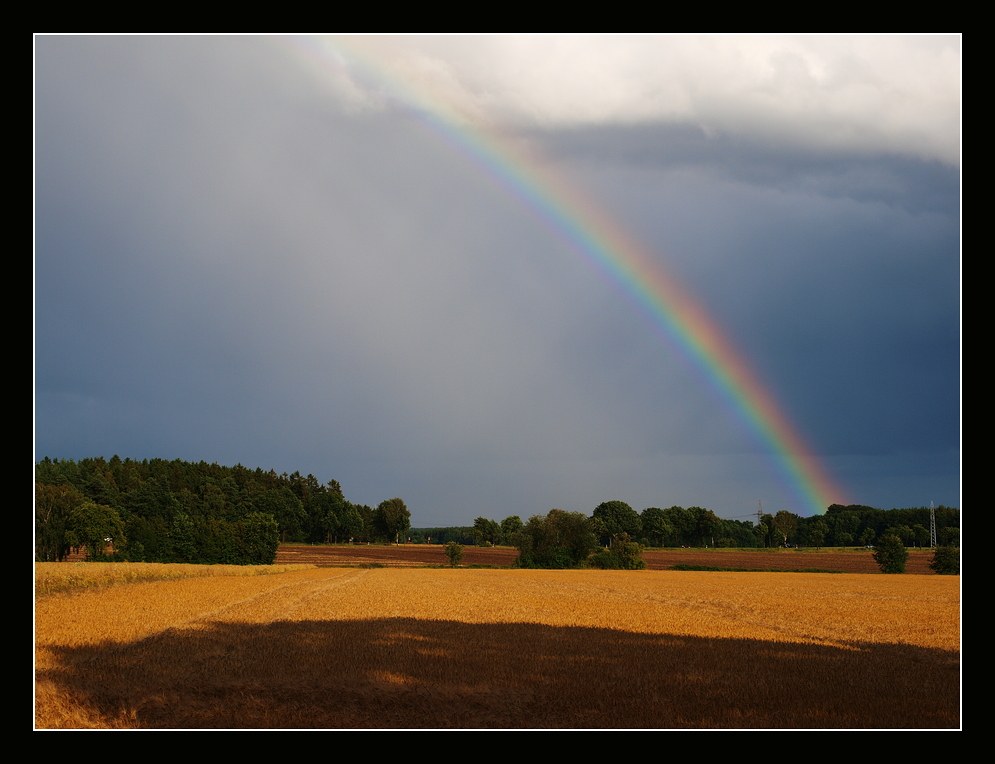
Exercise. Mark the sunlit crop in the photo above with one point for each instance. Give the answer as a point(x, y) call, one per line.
point(439, 648)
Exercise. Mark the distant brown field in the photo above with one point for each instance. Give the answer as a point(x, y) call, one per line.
point(414, 555)
point(483, 648)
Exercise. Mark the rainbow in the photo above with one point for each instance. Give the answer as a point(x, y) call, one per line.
point(571, 217)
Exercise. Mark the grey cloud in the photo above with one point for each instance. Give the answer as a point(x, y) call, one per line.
point(232, 265)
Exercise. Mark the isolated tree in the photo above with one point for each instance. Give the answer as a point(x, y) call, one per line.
point(454, 553)
point(946, 561)
point(890, 554)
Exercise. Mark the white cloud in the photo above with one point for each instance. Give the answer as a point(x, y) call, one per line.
point(892, 94)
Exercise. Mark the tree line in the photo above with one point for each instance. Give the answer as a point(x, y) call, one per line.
point(175, 511)
point(568, 539)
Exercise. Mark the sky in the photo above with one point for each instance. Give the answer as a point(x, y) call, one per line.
point(459, 270)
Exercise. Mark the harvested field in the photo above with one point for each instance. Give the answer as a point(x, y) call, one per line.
point(393, 556)
point(425, 648)
point(414, 555)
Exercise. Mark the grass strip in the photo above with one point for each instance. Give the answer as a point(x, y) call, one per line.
point(685, 566)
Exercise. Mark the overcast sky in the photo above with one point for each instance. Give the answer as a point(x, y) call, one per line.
point(286, 253)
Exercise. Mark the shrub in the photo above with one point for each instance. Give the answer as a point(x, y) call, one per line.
point(890, 554)
point(623, 554)
point(604, 559)
point(557, 540)
point(946, 561)
point(454, 552)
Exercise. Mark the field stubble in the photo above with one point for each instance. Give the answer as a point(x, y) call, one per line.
point(439, 648)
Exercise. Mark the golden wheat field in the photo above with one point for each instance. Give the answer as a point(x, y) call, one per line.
point(407, 648)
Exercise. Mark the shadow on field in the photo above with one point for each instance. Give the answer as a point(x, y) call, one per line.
point(407, 673)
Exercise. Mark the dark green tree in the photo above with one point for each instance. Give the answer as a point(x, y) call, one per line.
point(349, 521)
point(260, 538)
point(391, 519)
point(890, 554)
point(454, 553)
point(509, 527)
point(153, 499)
point(655, 524)
point(681, 521)
point(946, 561)
point(182, 540)
point(368, 531)
point(54, 504)
point(94, 526)
point(486, 531)
point(618, 517)
point(920, 535)
point(787, 523)
point(287, 509)
point(622, 554)
point(704, 523)
point(557, 540)
point(817, 532)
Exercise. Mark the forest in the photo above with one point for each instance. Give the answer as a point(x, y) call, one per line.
point(176, 511)
point(157, 510)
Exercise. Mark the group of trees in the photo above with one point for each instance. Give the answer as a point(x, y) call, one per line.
point(606, 539)
point(675, 526)
point(891, 555)
point(859, 525)
point(176, 511)
point(569, 539)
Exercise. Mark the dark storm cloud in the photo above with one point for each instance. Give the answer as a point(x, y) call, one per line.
point(233, 264)
point(844, 292)
point(911, 183)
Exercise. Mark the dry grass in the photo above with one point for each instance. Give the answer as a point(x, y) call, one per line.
point(51, 577)
point(415, 648)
